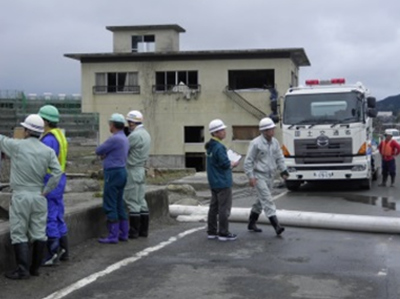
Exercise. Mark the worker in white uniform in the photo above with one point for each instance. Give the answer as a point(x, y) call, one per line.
point(134, 192)
point(264, 157)
point(30, 161)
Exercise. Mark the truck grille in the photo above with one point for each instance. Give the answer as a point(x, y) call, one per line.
point(339, 150)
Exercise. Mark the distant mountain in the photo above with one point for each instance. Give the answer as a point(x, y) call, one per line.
point(391, 103)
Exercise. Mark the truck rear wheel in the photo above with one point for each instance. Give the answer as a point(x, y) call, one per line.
point(293, 185)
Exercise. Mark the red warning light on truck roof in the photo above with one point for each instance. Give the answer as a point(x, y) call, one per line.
point(326, 82)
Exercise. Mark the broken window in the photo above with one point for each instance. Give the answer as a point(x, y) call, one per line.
point(116, 83)
point(245, 132)
point(169, 80)
point(194, 134)
point(143, 43)
point(251, 79)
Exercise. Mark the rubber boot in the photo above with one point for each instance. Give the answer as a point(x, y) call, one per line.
point(144, 224)
point(22, 258)
point(113, 232)
point(384, 179)
point(392, 177)
point(252, 223)
point(53, 246)
point(134, 225)
point(274, 222)
point(38, 249)
point(64, 251)
point(123, 230)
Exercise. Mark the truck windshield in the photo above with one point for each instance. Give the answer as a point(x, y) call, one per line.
point(322, 108)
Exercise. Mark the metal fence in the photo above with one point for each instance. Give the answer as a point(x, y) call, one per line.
point(15, 106)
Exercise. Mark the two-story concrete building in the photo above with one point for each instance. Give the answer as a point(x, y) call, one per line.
point(180, 92)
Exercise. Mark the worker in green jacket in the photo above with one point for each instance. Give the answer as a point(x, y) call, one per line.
point(30, 160)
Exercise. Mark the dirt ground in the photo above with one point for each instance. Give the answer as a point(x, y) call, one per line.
point(82, 160)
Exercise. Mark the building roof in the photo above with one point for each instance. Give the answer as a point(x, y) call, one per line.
point(298, 55)
point(147, 27)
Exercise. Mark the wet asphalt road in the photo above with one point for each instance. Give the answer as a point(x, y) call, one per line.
point(303, 263)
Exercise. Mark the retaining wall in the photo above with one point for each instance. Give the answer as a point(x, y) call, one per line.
point(85, 221)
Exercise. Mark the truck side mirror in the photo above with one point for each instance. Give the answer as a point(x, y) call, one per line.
point(274, 117)
point(372, 112)
point(371, 102)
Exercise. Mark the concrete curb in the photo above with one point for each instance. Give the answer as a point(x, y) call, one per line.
point(85, 221)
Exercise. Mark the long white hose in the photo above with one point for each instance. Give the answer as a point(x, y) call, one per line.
point(300, 219)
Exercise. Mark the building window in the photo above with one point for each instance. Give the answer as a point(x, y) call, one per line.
point(251, 79)
point(245, 132)
point(194, 134)
point(116, 83)
point(143, 43)
point(176, 81)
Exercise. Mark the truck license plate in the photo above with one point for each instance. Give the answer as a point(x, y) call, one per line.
point(323, 174)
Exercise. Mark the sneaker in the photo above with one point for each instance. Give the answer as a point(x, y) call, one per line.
point(227, 237)
point(52, 261)
point(212, 236)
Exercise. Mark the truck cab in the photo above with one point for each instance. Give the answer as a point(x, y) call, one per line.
point(327, 133)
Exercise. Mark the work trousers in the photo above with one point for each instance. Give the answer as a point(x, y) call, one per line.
point(389, 168)
point(113, 203)
point(219, 211)
point(56, 226)
point(28, 216)
point(264, 200)
point(134, 193)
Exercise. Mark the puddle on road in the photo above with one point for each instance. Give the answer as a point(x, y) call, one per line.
point(387, 203)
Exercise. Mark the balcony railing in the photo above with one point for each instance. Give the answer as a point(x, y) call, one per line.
point(99, 89)
point(168, 88)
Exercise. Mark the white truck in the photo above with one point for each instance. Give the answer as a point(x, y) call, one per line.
point(327, 133)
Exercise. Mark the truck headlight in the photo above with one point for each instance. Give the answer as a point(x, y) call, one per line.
point(291, 169)
point(359, 168)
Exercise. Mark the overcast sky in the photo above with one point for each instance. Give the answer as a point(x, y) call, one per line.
point(357, 39)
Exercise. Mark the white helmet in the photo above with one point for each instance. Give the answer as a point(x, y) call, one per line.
point(216, 125)
point(389, 132)
point(134, 116)
point(266, 123)
point(34, 123)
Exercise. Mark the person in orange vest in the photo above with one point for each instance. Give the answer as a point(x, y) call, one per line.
point(389, 149)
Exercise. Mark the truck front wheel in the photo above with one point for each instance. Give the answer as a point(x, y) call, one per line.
point(293, 185)
point(366, 184)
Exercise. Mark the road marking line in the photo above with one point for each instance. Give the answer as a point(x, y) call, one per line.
point(93, 277)
point(279, 195)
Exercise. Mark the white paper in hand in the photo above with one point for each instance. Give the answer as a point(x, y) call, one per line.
point(233, 156)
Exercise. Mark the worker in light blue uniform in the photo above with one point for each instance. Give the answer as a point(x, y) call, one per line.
point(134, 193)
point(30, 161)
point(264, 157)
point(114, 152)
point(53, 137)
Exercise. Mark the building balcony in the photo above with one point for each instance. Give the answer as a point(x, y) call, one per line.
point(120, 89)
point(180, 88)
